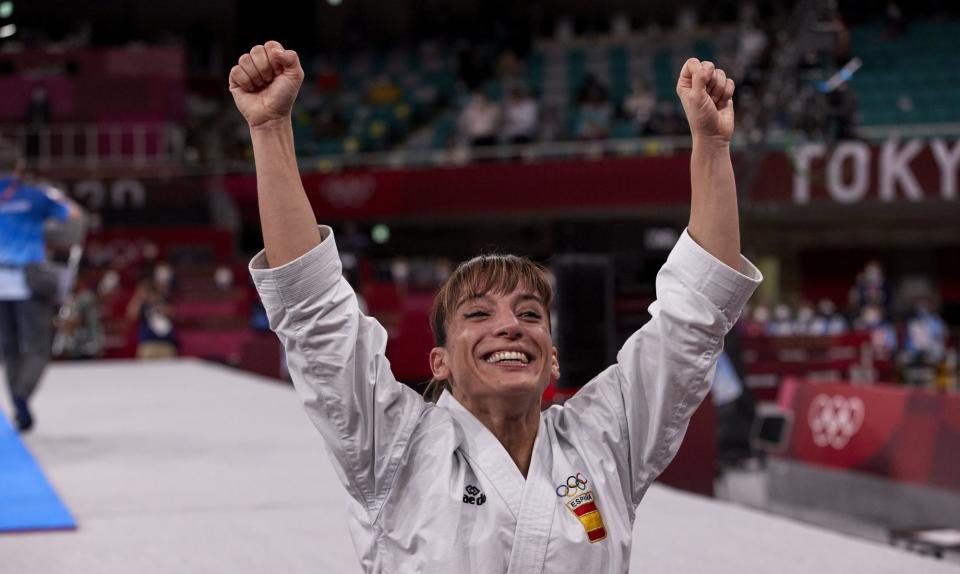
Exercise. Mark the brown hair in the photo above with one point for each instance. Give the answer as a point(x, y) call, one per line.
point(494, 273)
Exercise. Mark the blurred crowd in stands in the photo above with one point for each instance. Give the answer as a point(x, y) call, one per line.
point(132, 303)
point(581, 84)
point(911, 333)
point(453, 96)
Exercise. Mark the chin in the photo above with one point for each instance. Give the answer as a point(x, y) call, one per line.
point(518, 387)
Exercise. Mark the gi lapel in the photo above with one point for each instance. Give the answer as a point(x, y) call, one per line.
point(536, 511)
point(487, 455)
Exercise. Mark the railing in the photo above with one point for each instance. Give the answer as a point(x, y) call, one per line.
point(163, 144)
point(98, 145)
point(534, 152)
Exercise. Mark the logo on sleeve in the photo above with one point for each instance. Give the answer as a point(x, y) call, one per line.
point(582, 504)
point(473, 495)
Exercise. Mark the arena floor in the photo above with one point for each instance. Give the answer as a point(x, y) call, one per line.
point(190, 467)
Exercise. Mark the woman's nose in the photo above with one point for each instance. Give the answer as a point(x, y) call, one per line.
point(509, 326)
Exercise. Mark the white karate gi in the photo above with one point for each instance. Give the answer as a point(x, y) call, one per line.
point(434, 491)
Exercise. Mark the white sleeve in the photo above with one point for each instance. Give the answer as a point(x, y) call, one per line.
point(664, 370)
point(335, 355)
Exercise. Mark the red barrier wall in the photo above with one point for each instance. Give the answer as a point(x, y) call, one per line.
point(903, 434)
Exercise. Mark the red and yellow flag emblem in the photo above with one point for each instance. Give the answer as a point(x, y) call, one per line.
point(582, 504)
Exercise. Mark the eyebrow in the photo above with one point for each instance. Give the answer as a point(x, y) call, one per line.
point(527, 296)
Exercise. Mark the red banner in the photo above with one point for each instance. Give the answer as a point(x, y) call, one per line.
point(902, 434)
point(851, 172)
point(897, 171)
point(609, 185)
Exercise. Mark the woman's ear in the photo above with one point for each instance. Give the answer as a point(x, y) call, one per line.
point(554, 366)
point(438, 364)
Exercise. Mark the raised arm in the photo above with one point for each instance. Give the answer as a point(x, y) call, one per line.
point(336, 354)
point(707, 97)
point(264, 84)
point(665, 369)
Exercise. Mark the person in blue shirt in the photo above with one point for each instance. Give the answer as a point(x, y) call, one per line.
point(26, 308)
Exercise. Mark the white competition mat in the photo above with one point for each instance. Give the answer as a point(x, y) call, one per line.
point(185, 466)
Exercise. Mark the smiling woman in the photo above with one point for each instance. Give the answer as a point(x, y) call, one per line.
point(486, 275)
point(479, 479)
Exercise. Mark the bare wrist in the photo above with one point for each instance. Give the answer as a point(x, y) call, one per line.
point(278, 125)
point(711, 143)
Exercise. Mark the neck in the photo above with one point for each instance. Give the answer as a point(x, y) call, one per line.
point(515, 428)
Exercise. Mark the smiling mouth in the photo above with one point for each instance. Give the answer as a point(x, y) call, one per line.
point(508, 358)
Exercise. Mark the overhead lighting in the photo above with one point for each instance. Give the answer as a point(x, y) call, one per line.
point(334, 2)
point(380, 233)
point(6, 9)
point(8, 30)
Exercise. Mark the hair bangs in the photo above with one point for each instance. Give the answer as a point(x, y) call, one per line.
point(487, 274)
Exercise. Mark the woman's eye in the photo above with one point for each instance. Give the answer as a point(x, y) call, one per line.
point(530, 315)
point(475, 314)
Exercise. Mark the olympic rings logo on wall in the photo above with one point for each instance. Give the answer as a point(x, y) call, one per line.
point(572, 485)
point(834, 420)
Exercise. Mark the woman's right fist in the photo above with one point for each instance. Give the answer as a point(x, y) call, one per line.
point(265, 83)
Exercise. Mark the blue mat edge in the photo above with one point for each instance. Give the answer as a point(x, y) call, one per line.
point(59, 516)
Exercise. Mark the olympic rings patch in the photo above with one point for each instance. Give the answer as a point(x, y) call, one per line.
point(574, 483)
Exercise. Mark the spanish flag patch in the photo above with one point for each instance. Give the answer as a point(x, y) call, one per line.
point(582, 504)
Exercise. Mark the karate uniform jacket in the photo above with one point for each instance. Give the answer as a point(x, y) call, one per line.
point(432, 490)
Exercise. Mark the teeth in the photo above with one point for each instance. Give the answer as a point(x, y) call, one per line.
point(508, 356)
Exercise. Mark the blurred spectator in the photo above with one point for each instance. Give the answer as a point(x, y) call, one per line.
point(38, 110)
point(400, 272)
point(80, 328)
point(841, 113)
point(735, 412)
point(803, 319)
point(782, 324)
point(329, 123)
point(509, 67)
point(870, 288)
point(109, 283)
point(164, 278)
point(595, 115)
point(326, 79)
point(551, 123)
point(639, 105)
point(894, 24)
point(926, 337)
point(757, 322)
point(667, 120)
point(383, 91)
point(480, 120)
point(150, 307)
point(752, 42)
point(520, 117)
point(883, 335)
point(37, 117)
point(828, 322)
point(841, 47)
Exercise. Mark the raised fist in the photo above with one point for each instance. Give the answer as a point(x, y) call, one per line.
point(707, 97)
point(265, 83)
